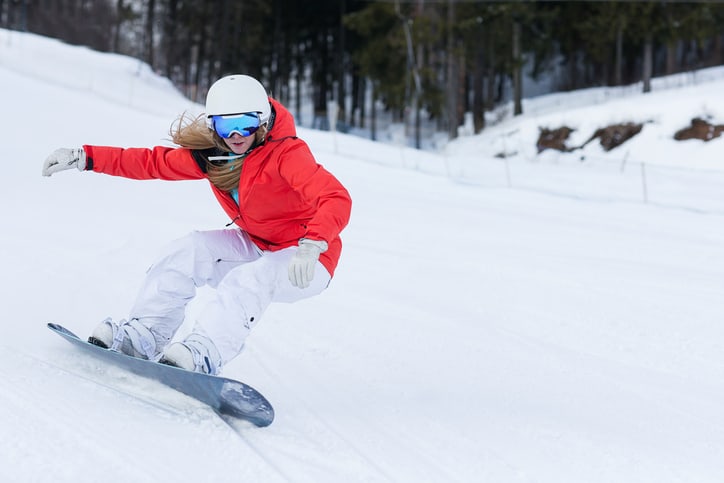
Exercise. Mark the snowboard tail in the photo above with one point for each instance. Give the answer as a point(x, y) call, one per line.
point(225, 396)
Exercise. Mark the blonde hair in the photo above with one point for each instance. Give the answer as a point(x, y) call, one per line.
point(193, 133)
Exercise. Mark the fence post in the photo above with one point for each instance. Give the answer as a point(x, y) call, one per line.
point(448, 169)
point(332, 114)
point(643, 183)
point(507, 172)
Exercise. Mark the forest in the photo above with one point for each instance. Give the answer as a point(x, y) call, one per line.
point(422, 61)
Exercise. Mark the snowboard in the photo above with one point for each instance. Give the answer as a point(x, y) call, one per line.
point(225, 396)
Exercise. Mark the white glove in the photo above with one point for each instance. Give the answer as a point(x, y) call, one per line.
point(301, 268)
point(64, 158)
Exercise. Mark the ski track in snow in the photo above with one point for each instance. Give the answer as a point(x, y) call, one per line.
point(339, 450)
point(178, 421)
point(370, 446)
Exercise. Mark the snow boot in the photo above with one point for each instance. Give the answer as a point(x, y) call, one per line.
point(130, 337)
point(196, 354)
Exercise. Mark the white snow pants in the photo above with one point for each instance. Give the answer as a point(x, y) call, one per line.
point(246, 279)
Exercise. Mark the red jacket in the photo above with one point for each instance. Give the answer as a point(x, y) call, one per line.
point(284, 195)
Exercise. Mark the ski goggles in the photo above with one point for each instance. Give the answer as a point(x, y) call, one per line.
point(245, 124)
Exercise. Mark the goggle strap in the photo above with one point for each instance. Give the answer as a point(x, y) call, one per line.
point(225, 158)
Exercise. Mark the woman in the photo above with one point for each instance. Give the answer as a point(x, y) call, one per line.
point(289, 211)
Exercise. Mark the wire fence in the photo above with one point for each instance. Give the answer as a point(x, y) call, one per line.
point(599, 180)
point(692, 189)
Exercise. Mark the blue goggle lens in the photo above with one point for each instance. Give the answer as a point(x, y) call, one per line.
point(244, 124)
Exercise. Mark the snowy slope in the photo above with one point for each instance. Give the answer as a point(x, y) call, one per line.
point(537, 325)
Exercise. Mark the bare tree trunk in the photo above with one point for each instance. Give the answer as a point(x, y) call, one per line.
point(150, 19)
point(298, 83)
point(671, 57)
point(357, 99)
point(490, 77)
point(452, 90)
point(373, 114)
point(648, 62)
point(170, 42)
point(275, 82)
point(716, 53)
point(618, 75)
point(115, 46)
point(340, 54)
point(321, 77)
point(517, 71)
point(201, 49)
point(478, 81)
point(419, 59)
point(9, 15)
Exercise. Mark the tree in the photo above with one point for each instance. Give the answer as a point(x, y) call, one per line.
point(382, 56)
point(419, 58)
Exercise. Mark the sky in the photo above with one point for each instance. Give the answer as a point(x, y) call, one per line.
point(538, 317)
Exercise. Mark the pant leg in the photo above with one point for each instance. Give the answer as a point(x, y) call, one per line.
point(198, 259)
point(244, 294)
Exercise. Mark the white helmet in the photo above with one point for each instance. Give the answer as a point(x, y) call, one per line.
point(235, 94)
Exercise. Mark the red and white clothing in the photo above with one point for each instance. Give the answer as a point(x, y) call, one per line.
point(283, 196)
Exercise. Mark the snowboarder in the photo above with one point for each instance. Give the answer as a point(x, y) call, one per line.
point(288, 209)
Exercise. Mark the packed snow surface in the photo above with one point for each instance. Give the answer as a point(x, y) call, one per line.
point(532, 318)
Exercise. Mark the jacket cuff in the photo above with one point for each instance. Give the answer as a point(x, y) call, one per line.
point(321, 244)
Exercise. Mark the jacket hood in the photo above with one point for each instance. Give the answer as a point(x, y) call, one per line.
point(283, 122)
